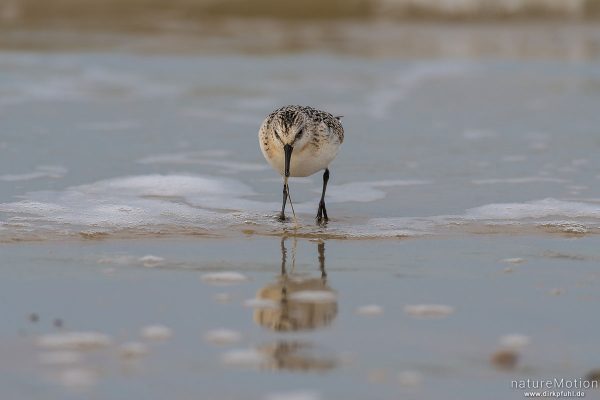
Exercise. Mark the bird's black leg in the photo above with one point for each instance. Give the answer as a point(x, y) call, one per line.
point(321, 250)
point(283, 256)
point(322, 212)
point(285, 196)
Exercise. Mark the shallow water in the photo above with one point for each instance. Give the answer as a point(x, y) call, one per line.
point(104, 286)
point(468, 185)
point(169, 143)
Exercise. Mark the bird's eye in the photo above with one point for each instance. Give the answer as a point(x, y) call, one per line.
point(299, 134)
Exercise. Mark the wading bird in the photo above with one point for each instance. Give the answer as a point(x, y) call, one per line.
point(299, 141)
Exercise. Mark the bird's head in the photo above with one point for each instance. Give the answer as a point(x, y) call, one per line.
point(288, 129)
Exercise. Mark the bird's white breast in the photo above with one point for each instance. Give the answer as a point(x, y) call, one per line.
point(304, 162)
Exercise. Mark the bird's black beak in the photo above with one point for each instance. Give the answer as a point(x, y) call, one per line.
point(287, 149)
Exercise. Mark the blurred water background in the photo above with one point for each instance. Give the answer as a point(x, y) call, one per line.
point(465, 201)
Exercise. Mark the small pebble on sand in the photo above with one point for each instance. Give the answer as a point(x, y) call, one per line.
point(505, 358)
point(593, 376)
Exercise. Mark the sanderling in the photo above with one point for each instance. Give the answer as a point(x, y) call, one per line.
point(313, 137)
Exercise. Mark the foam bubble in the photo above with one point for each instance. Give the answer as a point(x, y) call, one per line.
point(224, 278)
point(32, 207)
point(118, 260)
point(515, 341)
point(566, 227)
point(429, 310)
point(156, 332)
point(151, 261)
point(244, 358)
point(513, 260)
point(74, 340)
point(535, 209)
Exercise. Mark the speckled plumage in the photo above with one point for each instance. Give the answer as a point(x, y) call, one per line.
point(307, 138)
point(320, 137)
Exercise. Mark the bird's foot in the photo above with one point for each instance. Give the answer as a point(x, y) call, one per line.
point(281, 217)
point(322, 215)
point(322, 222)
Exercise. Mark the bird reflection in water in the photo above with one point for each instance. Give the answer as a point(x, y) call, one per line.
point(304, 303)
point(297, 356)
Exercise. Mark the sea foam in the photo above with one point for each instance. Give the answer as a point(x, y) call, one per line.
point(181, 204)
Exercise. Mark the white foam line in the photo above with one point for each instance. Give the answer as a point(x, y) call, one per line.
point(499, 213)
point(182, 202)
point(534, 210)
